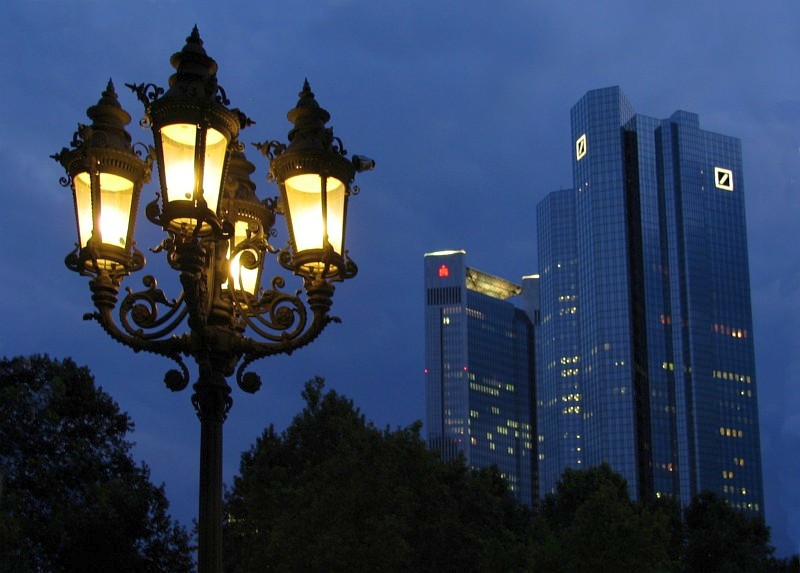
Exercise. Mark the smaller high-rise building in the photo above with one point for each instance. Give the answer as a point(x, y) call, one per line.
point(479, 369)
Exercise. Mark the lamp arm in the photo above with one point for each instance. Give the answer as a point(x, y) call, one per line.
point(104, 294)
point(274, 316)
point(139, 312)
point(253, 350)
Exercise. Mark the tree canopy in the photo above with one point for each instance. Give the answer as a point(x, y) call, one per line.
point(71, 496)
point(334, 493)
point(590, 523)
point(721, 539)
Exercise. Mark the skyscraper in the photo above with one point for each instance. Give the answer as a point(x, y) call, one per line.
point(479, 370)
point(645, 346)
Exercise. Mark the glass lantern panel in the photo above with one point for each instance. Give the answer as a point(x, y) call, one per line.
point(304, 194)
point(244, 279)
point(83, 207)
point(336, 196)
point(116, 194)
point(216, 146)
point(177, 143)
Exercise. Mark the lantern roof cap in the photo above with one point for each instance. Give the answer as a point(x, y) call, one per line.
point(106, 133)
point(309, 121)
point(238, 182)
point(108, 122)
point(195, 70)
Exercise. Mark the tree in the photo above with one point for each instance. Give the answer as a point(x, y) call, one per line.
point(71, 496)
point(591, 524)
point(334, 493)
point(720, 538)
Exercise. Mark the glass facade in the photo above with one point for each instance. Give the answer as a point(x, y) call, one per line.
point(559, 400)
point(651, 246)
point(479, 371)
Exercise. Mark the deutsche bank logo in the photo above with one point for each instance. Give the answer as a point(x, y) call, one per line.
point(723, 178)
point(580, 147)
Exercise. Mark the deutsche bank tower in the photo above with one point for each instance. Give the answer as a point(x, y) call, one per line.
point(645, 354)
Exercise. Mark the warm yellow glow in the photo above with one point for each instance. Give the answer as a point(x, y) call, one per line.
point(178, 143)
point(216, 145)
point(83, 206)
point(244, 279)
point(115, 203)
point(304, 193)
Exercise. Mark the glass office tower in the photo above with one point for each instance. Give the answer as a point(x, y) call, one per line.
point(479, 370)
point(652, 245)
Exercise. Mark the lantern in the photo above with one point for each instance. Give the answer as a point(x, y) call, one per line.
point(251, 222)
point(107, 178)
point(314, 178)
point(193, 131)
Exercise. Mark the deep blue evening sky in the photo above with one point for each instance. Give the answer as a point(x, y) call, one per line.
point(465, 107)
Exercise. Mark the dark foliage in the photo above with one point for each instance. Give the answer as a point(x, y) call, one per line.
point(591, 524)
point(721, 539)
point(71, 496)
point(334, 493)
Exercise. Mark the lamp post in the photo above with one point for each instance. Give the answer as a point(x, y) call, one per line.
point(217, 238)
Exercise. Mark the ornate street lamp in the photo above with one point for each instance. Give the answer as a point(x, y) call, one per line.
point(217, 239)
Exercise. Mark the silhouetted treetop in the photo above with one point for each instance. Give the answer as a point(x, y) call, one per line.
point(72, 497)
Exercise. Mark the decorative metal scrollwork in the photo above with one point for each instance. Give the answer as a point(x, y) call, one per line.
point(146, 93)
point(273, 315)
point(139, 311)
point(270, 149)
point(177, 380)
point(222, 97)
point(338, 147)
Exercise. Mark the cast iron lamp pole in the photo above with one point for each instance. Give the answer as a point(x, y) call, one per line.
point(217, 239)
